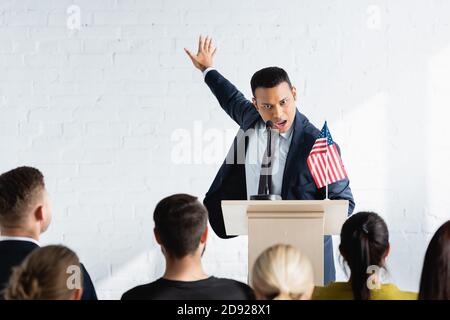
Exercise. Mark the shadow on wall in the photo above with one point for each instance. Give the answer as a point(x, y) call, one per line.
point(400, 139)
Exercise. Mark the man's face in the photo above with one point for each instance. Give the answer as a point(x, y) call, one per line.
point(276, 104)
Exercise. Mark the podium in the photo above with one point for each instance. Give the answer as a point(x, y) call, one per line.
point(301, 223)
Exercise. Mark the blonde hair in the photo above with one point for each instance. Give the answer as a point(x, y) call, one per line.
point(44, 275)
point(282, 272)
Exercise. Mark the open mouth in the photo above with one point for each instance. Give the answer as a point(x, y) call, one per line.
point(281, 124)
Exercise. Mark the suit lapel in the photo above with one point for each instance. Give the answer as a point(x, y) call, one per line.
point(235, 157)
point(295, 150)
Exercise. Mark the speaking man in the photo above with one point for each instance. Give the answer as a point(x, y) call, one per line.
point(244, 172)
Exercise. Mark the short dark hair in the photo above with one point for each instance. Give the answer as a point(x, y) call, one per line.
point(364, 242)
point(435, 279)
point(18, 189)
point(268, 78)
point(180, 221)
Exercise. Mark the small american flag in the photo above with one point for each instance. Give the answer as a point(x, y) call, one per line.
point(324, 151)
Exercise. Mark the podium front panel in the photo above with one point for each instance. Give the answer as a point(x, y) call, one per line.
point(306, 234)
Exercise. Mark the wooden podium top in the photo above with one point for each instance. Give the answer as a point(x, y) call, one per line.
point(235, 213)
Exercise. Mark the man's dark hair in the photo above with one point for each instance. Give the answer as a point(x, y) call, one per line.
point(180, 221)
point(18, 190)
point(268, 78)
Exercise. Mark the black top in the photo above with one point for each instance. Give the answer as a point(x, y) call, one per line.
point(211, 288)
point(13, 252)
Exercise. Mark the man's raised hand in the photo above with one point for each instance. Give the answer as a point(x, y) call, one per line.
point(205, 54)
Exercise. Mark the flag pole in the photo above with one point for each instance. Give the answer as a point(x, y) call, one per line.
point(326, 161)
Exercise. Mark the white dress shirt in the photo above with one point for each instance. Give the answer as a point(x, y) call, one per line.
point(4, 238)
point(257, 144)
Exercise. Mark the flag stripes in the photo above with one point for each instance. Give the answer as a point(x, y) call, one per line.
point(324, 161)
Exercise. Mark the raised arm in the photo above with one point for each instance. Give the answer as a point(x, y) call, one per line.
point(230, 98)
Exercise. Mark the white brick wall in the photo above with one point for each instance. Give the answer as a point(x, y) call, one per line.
point(95, 109)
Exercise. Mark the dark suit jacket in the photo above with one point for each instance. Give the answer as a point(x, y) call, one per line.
point(13, 252)
point(298, 183)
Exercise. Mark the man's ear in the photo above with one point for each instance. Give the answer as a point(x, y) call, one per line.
point(39, 213)
point(204, 236)
point(294, 92)
point(158, 239)
point(254, 103)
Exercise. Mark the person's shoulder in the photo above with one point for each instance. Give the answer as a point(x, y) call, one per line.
point(310, 132)
point(408, 295)
point(333, 291)
point(392, 292)
point(226, 281)
point(231, 284)
point(18, 247)
point(13, 252)
point(140, 292)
